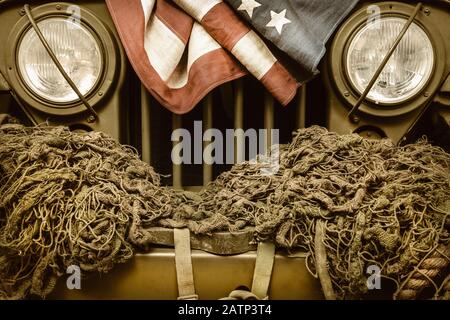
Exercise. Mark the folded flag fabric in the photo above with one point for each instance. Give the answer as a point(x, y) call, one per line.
point(175, 58)
point(300, 28)
point(183, 49)
point(220, 21)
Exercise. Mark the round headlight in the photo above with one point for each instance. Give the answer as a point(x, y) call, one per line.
point(407, 71)
point(83, 44)
point(76, 49)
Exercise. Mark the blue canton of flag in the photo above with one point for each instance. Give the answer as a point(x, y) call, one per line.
point(300, 28)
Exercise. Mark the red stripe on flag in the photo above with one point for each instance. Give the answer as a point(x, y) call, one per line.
point(175, 19)
point(227, 29)
point(208, 72)
point(280, 83)
point(224, 26)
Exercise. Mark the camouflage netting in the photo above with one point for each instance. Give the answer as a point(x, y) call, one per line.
point(69, 198)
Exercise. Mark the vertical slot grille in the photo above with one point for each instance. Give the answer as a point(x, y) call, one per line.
point(177, 169)
point(207, 124)
point(251, 106)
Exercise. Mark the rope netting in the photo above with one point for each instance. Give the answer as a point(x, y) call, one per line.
point(69, 198)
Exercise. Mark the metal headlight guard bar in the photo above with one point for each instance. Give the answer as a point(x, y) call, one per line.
point(57, 63)
point(384, 61)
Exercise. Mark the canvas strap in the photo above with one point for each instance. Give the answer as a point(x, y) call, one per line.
point(183, 264)
point(263, 269)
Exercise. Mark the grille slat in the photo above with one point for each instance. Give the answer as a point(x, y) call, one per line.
point(146, 125)
point(177, 169)
point(269, 122)
point(207, 124)
point(301, 107)
point(263, 116)
point(239, 145)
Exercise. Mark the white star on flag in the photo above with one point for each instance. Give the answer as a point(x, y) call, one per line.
point(249, 6)
point(278, 20)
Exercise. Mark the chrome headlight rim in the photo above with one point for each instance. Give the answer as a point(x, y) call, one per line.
point(415, 91)
point(110, 60)
point(61, 104)
point(339, 50)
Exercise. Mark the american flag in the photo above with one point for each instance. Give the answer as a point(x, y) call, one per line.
point(299, 28)
point(182, 49)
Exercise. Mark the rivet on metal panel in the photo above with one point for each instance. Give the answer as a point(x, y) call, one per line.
point(355, 119)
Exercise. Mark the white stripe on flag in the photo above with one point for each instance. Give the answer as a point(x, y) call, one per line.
point(200, 43)
point(164, 49)
point(197, 8)
point(253, 53)
point(147, 7)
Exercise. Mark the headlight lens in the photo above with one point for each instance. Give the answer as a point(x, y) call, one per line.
point(76, 49)
point(407, 71)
